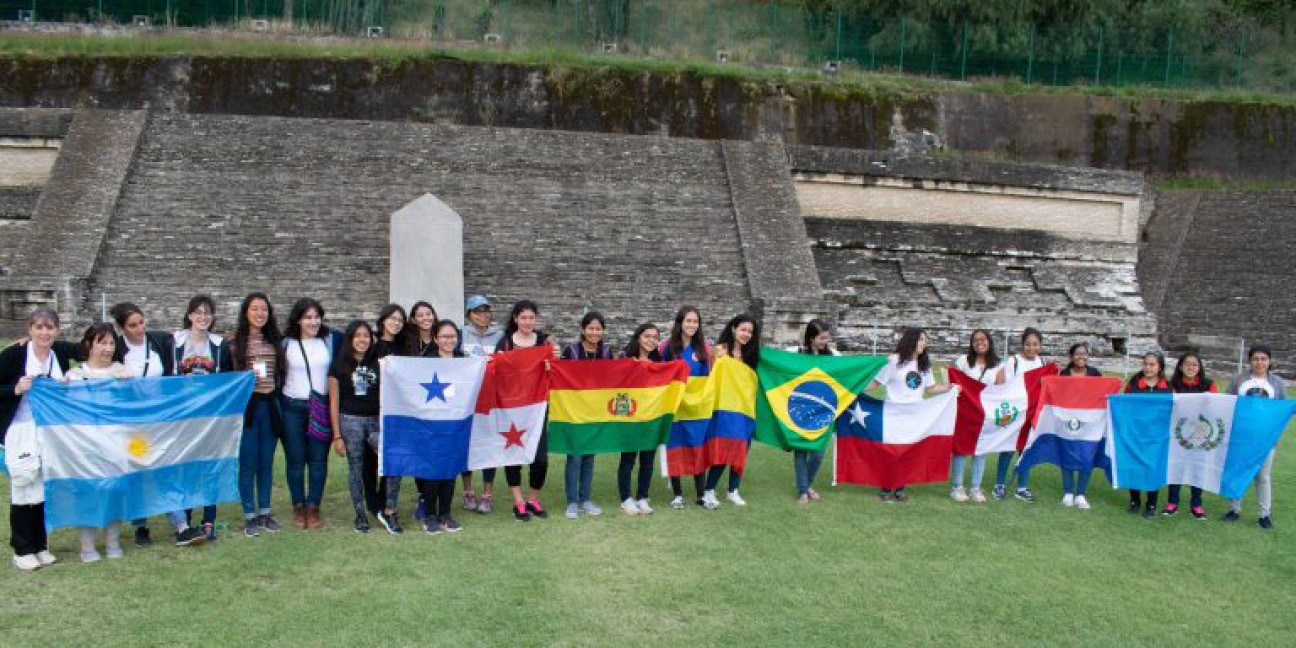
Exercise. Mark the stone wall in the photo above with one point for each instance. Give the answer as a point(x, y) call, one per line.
point(1233, 139)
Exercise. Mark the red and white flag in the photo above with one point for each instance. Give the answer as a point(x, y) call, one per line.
point(511, 409)
point(995, 418)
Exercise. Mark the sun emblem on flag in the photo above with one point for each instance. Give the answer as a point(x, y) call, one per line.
point(1005, 414)
point(622, 405)
point(1073, 424)
point(138, 447)
point(1201, 434)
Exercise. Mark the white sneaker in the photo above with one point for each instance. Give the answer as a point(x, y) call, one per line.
point(677, 503)
point(46, 558)
point(644, 509)
point(630, 507)
point(1068, 500)
point(958, 494)
point(1081, 502)
point(709, 500)
point(573, 511)
point(734, 497)
point(28, 562)
point(588, 507)
point(977, 495)
point(90, 555)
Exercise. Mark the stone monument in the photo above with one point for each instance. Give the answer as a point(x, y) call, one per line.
point(427, 258)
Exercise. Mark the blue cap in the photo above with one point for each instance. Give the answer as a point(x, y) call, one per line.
point(477, 301)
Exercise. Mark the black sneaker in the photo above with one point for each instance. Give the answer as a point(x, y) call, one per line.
point(901, 495)
point(1024, 494)
point(520, 513)
point(449, 525)
point(390, 522)
point(361, 524)
point(1149, 512)
point(1231, 516)
point(251, 527)
point(190, 536)
point(209, 531)
point(269, 524)
point(534, 507)
point(1265, 523)
point(432, 527)
point(1134, 506)
point(142, 537)
point(886, 496)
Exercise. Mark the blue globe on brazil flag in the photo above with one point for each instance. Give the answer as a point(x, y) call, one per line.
point(812, 405)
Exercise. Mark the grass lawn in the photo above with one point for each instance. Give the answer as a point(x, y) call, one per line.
point(846, 570)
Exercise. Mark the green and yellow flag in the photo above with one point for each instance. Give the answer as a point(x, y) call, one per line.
point(802, 395)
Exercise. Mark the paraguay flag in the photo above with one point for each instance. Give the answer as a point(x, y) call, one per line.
point(125, 449)
point(889, 444)
point(1071, 425)
point(613, 405)
point(511, 407)
point(1217, 442)
point(427, 407)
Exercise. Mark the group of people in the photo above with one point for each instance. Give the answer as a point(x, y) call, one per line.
point(317, 390)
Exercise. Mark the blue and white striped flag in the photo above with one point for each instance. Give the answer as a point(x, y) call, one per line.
point(116, 450)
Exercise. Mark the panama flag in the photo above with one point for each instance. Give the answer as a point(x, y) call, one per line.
point(991, 417)
point(511, 409)
point(427, 407)
point(1071, 425)
point(803, 394)
point(889, 444)
point(1217, 442)
point(125, 449)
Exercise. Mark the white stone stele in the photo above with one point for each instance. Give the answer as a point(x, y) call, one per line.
point(427, 257)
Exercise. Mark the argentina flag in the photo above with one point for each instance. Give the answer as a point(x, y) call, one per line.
point(427, 409)
point(124, 449)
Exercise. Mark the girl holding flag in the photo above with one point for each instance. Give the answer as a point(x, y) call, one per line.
point(1149, 381)
point(642, 347)
point(1259, 382)
point(198, 352)
point(418, 340)
point(806, 463)
point(980, 363)
point(579, 470)
point(521, 333)
point(1189, 378)
point(687, 342)
point(1032, 343)
point(1075, 483)
point(907, 378)
point(740, 339)
point(438, 494)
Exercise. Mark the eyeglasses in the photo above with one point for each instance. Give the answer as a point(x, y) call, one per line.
point(447, 337)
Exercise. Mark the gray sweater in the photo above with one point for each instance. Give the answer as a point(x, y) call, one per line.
point(479, 344)
point(1279, 389)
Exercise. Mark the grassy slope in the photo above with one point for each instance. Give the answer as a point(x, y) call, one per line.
point(848, 569)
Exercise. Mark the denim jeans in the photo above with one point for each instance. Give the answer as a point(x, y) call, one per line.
point(1001, 475)
point(806, 464)
point(302, 452)
point(359, 433)
point(713, 478)
point(1077, 478)
point(579, 475)
point(256, 454)
point(1195, 495)
point(956, 470)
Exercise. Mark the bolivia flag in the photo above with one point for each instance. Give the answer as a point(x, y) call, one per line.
point(991, 417)
point(1071, 424)
point(1216, 442)
point(510, 413)
point(889, 444)
point(612, 405)
point(803, 394)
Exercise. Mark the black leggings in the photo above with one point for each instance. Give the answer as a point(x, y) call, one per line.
point(1151, 498)
point(699, 484)
point(27, 528)
point(437, 495)
point(539, 467)
point(645, 473)
point(1195, 494)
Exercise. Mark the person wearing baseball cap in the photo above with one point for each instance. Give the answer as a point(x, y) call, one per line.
point(480, 335)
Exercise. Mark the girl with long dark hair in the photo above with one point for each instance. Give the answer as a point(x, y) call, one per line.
point(1189, 378)
point(642, 347)
point(353, 408)
point(1032, 344)
point(816, 340)
point(740, 339)
point(309, 348)
point(907, 378)
point(579, 470)
point(521, 333)
point(256, 348)
point(1151, 380)
point(980, 363)
point(688, 342)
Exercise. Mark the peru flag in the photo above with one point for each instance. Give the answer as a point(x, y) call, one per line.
point(1071, 426)
point(991, 417)
point(511, 409)
point(889, 444)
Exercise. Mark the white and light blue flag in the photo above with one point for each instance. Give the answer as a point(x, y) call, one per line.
point(427, 415)
point(1217, 442)
point(116, 450)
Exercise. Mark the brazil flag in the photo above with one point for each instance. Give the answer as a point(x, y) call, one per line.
point(802, 395)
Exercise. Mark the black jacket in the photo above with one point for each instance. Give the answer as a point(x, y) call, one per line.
point(161, 343)
point(13, 366)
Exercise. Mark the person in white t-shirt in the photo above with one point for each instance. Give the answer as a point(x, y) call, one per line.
point(980, 363)
point(1259, 382)
point(1032, 343)
point(907, 378)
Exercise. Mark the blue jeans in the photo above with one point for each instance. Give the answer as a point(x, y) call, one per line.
point(956, 470)
point(256, 455)
point(579, 475)
point(713, 478)
point(1001, 475)
point(301, 452)
point(1077, 478)
point(806, 464)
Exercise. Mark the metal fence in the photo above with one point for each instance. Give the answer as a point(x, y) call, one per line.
point(758, 33)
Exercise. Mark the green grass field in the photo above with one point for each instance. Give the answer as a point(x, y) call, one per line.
point(846, 570)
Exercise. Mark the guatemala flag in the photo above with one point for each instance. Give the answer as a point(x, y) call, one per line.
point(1217, 442)
point(427, 409)
point(124, 449)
